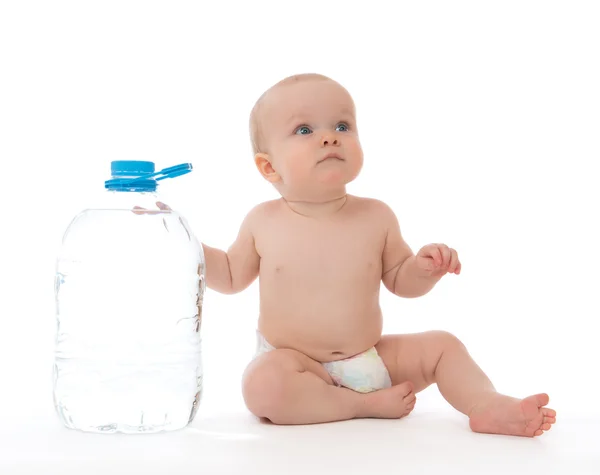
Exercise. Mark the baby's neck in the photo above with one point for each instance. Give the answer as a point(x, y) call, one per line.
point(317, 209)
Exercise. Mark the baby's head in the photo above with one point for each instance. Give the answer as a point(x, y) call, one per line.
point(305, 139)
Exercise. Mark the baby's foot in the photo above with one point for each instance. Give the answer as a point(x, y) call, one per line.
point(509, 416)
point(389, 403)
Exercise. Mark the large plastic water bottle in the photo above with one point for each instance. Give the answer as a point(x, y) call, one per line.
point(129, 290)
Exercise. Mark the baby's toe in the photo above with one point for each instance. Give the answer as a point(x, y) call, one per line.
point(410, 398)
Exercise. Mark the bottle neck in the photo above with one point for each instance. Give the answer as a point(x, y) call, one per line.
point(114, 199)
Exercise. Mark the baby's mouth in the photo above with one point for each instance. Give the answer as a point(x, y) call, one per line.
point(330, 157)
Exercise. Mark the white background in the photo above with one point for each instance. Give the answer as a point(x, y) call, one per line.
point(479, 121)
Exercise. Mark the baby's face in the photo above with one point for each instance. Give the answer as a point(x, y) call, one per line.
point(312, 140)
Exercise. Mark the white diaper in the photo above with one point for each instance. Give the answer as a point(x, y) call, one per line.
point(362, 373)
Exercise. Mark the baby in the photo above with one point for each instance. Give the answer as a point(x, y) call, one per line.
point(321, 255)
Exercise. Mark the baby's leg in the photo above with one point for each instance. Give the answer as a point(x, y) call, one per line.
point(425, 358)
point(288, 387)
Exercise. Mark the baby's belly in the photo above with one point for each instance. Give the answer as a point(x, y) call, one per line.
point(326, 308)
point(327, 325)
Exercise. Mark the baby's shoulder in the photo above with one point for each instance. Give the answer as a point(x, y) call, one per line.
point(261, 212)
point(266, 208)
point(373, 207)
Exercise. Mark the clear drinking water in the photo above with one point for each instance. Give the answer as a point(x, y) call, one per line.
point(129, 291)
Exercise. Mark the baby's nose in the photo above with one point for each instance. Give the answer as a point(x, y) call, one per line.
point(328, 140)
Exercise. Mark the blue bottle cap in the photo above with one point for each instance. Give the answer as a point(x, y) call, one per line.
point(131, 168)
point(134, 175)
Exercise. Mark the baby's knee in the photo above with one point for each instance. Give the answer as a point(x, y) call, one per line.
point(266, 381)
point(446, 339)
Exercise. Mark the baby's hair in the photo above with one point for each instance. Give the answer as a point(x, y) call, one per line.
point(255, 130)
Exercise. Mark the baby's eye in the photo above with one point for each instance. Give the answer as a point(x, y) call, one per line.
point(342, 127)
point(303, 130)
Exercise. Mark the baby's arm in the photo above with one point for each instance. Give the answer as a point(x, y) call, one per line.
point(400, 273)
point(233, 271)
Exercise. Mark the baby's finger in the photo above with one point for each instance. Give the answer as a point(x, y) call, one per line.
point(453, 261)
point(139, 210)
point(446, 255)
point(163, 206)
point(433, 251)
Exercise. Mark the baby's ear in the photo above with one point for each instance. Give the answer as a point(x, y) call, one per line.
point(263, 163)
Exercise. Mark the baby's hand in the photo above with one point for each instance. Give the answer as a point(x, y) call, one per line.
point(435, 260)
point(161, 206)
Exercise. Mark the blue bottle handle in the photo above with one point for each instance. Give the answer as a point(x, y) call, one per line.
point(169, 172)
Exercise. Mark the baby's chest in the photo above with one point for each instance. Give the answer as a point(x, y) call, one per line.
point(348, 251)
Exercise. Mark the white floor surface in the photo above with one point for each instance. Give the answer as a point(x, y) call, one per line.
point(433, 439)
